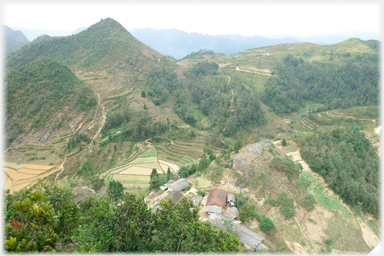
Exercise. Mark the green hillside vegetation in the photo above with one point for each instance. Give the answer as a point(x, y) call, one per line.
point(200, 54)
point(102, 45)
point(353, 83)
point(214, 94)
point(36, 92)
point(348, 163)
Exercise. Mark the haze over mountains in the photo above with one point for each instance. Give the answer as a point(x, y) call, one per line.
point(178, 43)
point(101, 107)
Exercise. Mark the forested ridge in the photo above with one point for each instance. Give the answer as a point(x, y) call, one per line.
point(349, 164)
point(353, 82)
point(44, 87)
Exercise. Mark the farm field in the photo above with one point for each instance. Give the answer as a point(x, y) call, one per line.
point(20, 176)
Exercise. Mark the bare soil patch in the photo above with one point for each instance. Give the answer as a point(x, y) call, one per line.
point(39, 167)
point(14, 175)
point(369, 237)
point(174, 167)
point(19, 187)
point(31, 171)
point(137, 171)
point(15, 166)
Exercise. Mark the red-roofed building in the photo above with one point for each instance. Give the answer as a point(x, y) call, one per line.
point(217, 197)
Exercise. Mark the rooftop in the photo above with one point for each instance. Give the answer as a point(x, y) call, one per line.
point(217, 197)
point(178, 185)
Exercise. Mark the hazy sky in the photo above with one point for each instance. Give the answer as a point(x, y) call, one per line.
point(206, 17)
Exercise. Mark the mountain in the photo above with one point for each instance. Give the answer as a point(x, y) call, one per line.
point(79, 30)
point(32, 34)
point(14, 40)
point(102, 45)
point(178, 44)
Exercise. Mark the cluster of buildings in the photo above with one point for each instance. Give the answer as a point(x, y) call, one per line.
point(220, 209)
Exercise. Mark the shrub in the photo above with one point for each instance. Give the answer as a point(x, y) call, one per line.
point(286, 205)
point(308, 202)
point(201, 193)
point(284, 143)
point(188, 187)
point(271, 201)
point(266, 224)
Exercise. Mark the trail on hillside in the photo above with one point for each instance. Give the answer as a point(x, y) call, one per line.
point(62, 169)
point(369, 236)
point(253, 72)
point(102, 122)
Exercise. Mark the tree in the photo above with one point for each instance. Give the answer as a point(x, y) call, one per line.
point(169, 174)
point(236, 146)
point(143, 94)
point(33, 227)
point(266, 224)
point(183, 171)
point(115, 190)
point(308, 202)
point(286, 205)
point(96, 182)
point(284, 143)
point(153, 173)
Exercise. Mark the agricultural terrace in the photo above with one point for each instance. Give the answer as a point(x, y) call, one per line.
point(136, 173)
point(181, 153)
point(18, 176)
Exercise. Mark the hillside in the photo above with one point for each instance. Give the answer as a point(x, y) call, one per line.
point(99, 112)
point(14, 40)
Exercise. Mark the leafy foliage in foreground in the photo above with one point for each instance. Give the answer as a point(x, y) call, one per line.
point(98, 226)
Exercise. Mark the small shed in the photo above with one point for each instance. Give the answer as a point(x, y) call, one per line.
point(231, 200)
point(217, 197)
point(233, 213)
point(178, 185)
point(214, 209)
point(164, 187)
point(175, 195)
point(249, 238)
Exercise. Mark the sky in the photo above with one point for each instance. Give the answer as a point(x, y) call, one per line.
point(247, 18)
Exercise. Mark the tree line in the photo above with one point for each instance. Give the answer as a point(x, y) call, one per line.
point(352, 82)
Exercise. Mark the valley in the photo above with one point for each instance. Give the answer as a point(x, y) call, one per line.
point(293, 121)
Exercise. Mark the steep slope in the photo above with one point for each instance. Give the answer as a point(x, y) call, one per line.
point(14, 40)
point(39, 96)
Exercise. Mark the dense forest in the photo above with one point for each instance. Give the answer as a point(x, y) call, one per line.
point(354, 82)
point(45, 218)
point(348, 163)
point(229, 106)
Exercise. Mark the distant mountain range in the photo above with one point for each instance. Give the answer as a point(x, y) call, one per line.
point(178, 43)
point(14, 40)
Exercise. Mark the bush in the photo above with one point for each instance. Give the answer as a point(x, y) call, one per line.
point(201, 193)
point(286, 205)
point(188, 187)
point(266, 224)
point(271, 201)
point(183, 172)
point(308, 202)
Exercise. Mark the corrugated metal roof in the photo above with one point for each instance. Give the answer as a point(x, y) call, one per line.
point(231, 198)
point(249, 237)
point(178, 185)
point(214, 209)
point(217, 197)
point(233, 212)
point(176, 196)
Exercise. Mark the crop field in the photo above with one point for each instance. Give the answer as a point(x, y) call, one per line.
point(23, 175)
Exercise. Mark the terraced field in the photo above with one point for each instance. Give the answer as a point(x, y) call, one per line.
point(18, 176)
point(182, 153)
point(136, 173)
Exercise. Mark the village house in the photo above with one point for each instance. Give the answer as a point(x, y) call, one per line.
point(247, 237)
point(216, 201)
point(178, 185)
